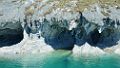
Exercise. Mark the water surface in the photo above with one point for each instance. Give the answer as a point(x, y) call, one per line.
point(61, 59)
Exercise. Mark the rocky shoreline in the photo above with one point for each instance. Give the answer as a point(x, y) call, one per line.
point(94, 29)
point(56, 35)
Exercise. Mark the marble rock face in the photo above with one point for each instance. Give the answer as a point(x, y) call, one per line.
point(58, 37)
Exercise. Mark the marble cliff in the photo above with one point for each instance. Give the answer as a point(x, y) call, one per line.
point(31, 26)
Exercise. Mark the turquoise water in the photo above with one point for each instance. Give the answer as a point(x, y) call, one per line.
point(60, 59)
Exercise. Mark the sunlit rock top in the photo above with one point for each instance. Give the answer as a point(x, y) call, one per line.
point(93, 10)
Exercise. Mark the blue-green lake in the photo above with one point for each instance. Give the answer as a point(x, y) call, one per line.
point(60, 59)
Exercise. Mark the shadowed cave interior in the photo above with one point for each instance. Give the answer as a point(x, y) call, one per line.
point(11, 36)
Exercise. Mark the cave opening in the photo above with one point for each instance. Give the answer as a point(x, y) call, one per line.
point(9, 37)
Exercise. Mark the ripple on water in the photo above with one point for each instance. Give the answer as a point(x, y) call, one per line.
point(61, 59)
